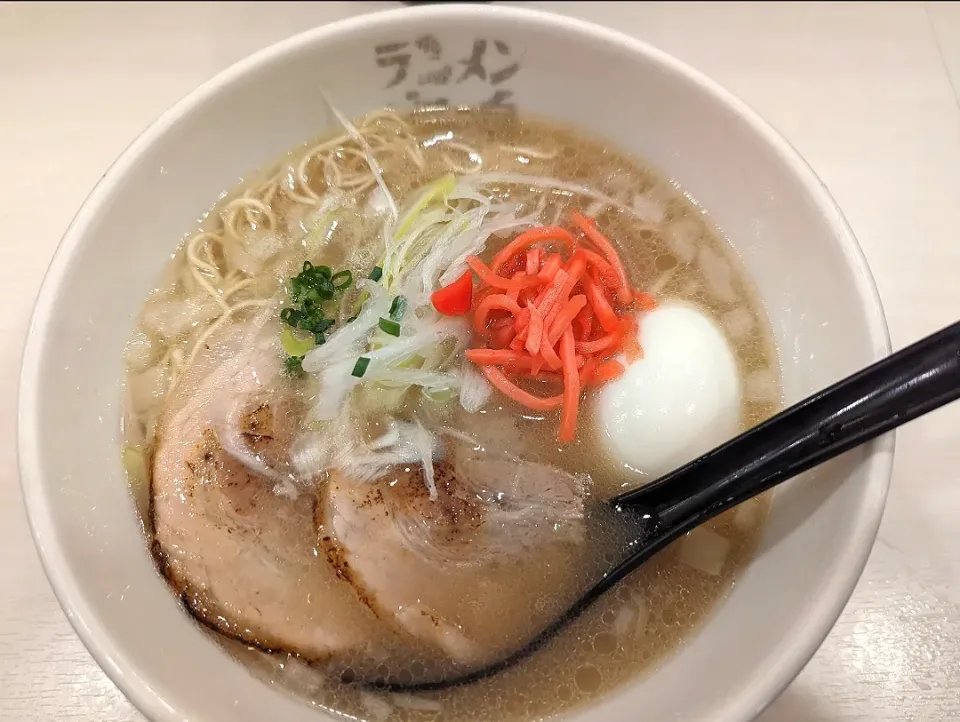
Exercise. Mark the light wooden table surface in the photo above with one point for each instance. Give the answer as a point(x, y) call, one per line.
point(868, 93)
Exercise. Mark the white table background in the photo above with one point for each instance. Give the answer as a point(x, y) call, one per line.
point(868, 93)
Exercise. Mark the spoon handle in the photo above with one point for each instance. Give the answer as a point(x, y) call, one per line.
point(891, 392)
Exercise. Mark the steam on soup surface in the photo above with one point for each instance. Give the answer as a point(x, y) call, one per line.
point(377, 400)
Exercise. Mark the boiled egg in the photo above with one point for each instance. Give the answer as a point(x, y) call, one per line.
point(677, 402)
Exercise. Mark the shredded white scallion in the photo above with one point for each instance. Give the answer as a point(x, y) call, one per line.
point(424, 442)
point(475, 390)
point(367, 153)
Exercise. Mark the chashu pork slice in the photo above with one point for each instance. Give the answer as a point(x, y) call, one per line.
point(232, 534)
point(475, 572)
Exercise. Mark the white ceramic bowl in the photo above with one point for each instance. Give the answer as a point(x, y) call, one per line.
point(811, 275)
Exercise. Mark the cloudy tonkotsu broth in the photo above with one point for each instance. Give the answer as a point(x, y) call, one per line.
point(408, 519)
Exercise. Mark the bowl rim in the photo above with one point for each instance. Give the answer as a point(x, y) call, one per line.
point(837, 586)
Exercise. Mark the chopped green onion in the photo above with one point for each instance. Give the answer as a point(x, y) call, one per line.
point(376, 274)
point(397, 308)
point(318, 329)
point(342, 280)
point(293, 344)
point(360, 367)
point(324, 271)
point(311, 291)
point(293, 365)
point(312, 285)
point(388, 326)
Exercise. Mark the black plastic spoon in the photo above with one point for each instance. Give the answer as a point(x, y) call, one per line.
point(901, 387)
